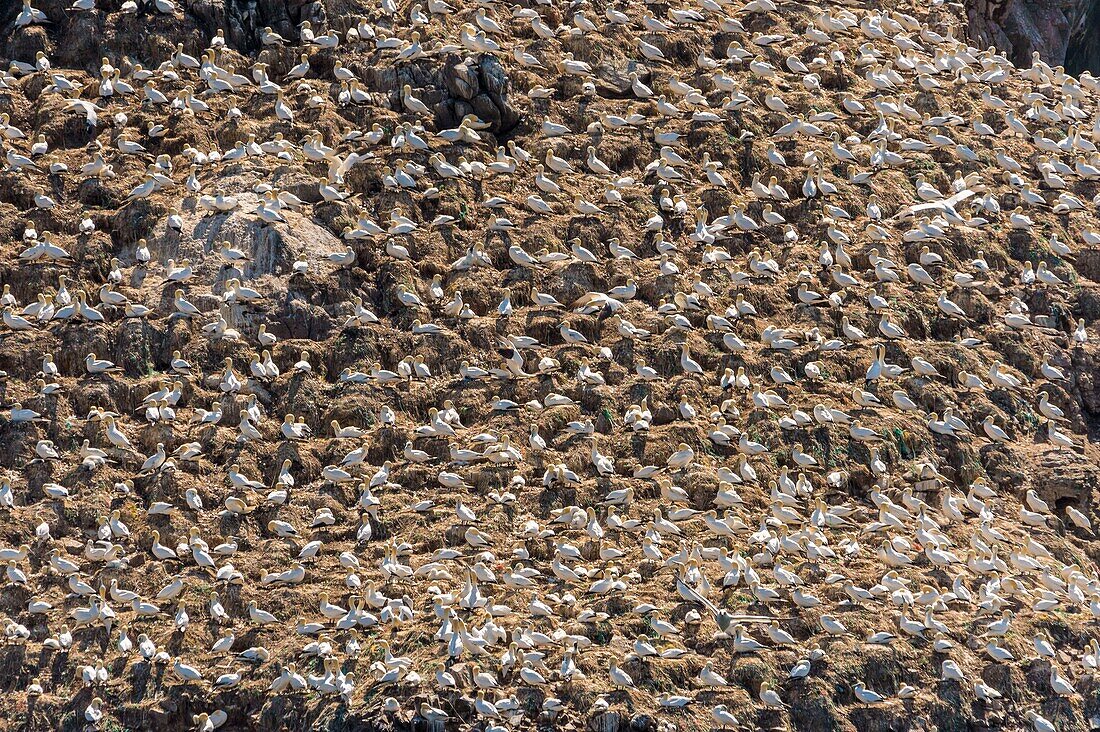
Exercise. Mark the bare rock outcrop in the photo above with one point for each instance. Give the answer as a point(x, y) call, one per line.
point(478, 86)
point(1062, 32)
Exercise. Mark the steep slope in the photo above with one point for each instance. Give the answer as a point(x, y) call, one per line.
point(784, 326)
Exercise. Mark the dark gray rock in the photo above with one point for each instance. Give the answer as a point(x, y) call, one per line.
point(1063, 32)
point(461, 78)
point(496, 85)
point(471, 86)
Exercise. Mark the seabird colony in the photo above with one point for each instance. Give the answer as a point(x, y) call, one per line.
point(704, 365)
